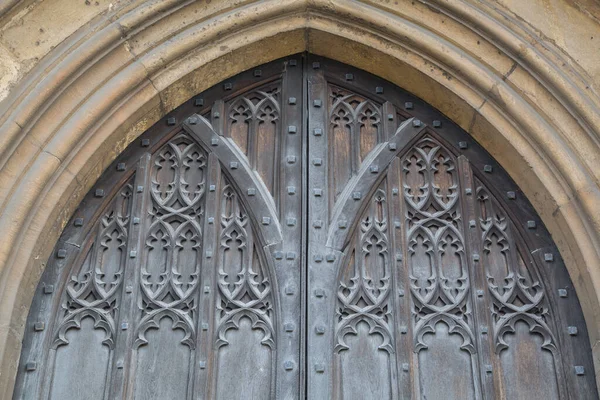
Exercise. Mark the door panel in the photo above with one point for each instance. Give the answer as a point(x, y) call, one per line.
point(305, 230)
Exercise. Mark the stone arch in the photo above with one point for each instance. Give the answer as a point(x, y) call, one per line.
point(104, 85)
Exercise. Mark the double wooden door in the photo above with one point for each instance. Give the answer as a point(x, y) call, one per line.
point(305, 230)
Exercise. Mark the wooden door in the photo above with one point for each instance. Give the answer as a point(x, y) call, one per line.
point(305, 230)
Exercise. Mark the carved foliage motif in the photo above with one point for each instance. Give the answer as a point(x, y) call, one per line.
point(244, 286)
point(172, 247)
point(516, 291)
point(364, 290)
point(436, 260)
point(94, 289)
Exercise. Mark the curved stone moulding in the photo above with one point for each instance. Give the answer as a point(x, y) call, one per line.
point(103, 86)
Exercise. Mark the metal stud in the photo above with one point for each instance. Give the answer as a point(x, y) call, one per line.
point(291, 190)
point(198, 101)
point(379, 90)
point(401, 292)
point(356, 195)
point(318, 258)
point(202, 364)
point(121, 166)
point(487, 168)
point(398, 256)
point(78, 222)
point(437, 123)
point(318, 192)
point(484, 330)
point(124, 326)
point(48, 289)
point(139, 188)
point(266, 220)
point(291, 221)
point(216, 115)
point(228, 86)
point(61, 253)
point(511, 195)
point(349, 77)
point(120, 364)
point(316, 65)
point(317, 223)
point(212, 188)
point(208, 253)
point(374, 169)
point(290, 290)
point(320, 368)
point(468, 191)
point(214, 141)
point(145, 142)
point(416, 123)
point(206, 289)
point(132, 254)
point(488, 368)
point(288, 327)
point(233, 165)
point(257, 72)
point(291, 159)
point(562, 293)
point(128, 289)
point(472, 223)
point(318, 132)
point(205, 326)
point(320, 329)
point(292, 129)
point(31, 366)
point(317, 103)
point(211, 220)
point(192, 120)
point(392, 146)
point(479, 293)
point(573, 331)
point(395, 191)
point(579, 370)
point(342, 224)
point(278, 255)
point(330, 258)
point(99, 193)
point(548, 257)
point(409, 105)
point(288, 365)
point(292, 100)
point(531, 224)
point(475, 257)
point(293, 62)
point(290, 255)
point(390, 117)
point(463, 145)
point(39, 326)
point(397, 224)
point(403, 329)
point(405, 367)
point(317, 162)
point(171, 121)
point(251, 191)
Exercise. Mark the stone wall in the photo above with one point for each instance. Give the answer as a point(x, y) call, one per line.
point(82, 79)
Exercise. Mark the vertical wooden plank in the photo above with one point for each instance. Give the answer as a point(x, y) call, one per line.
point(121, 378)
point(488, 365)
point(205, 364)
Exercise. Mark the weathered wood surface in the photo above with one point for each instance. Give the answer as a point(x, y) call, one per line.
point(305, 230)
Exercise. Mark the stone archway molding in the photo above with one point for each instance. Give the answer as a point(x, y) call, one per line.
point(96, 92)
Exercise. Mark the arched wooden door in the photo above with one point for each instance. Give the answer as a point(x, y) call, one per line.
point(305, 230)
